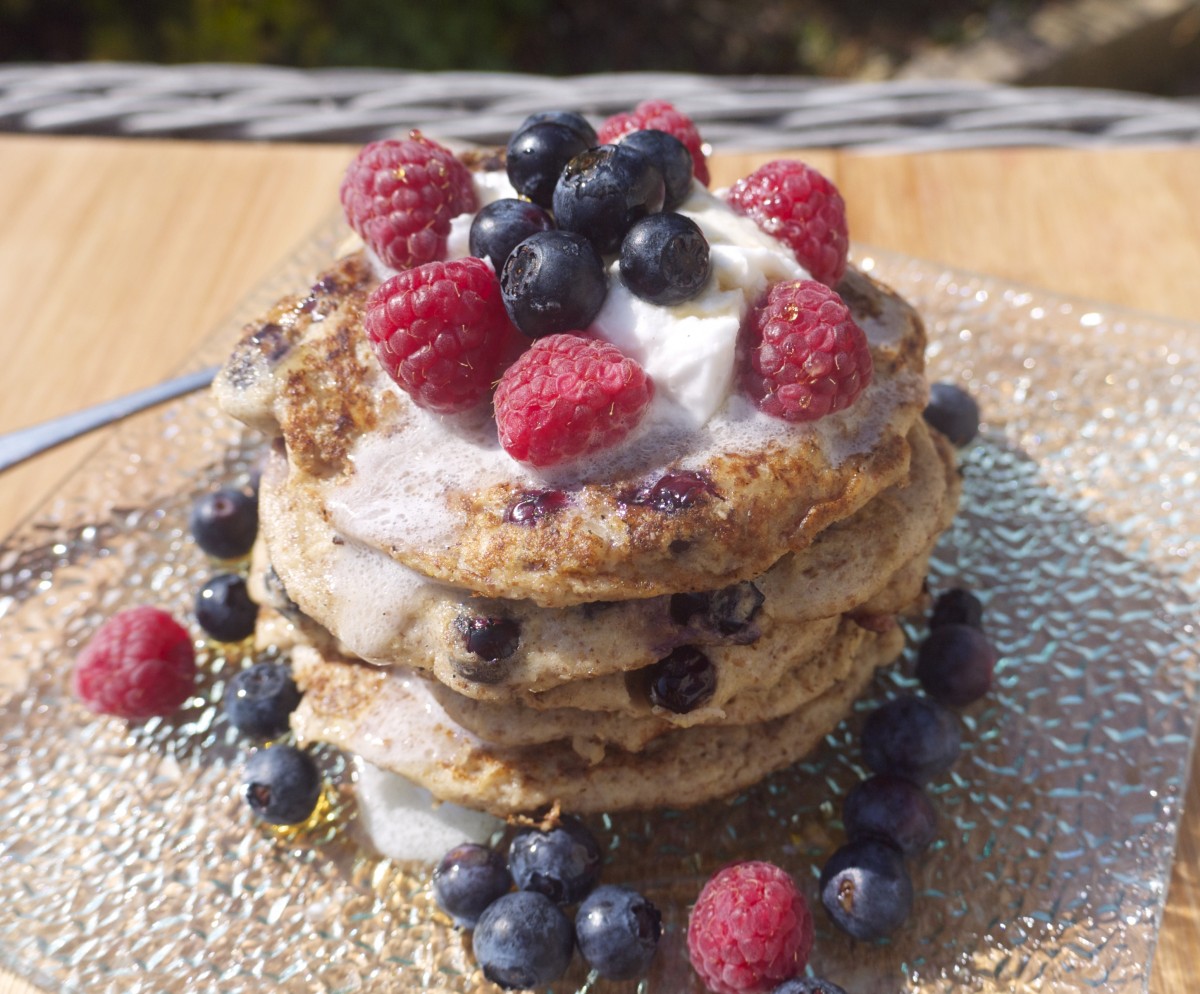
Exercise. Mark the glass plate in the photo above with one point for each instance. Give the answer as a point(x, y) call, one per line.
point(128, 864)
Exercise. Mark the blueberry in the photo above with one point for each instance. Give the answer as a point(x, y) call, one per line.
point(468, 879)
point(664, 259)
point(562, 863)
point(568, 119)
point(670, 157)
point(604, 191)
point(502, 225)
point(523, 940)
point(892, 809)
point(675, 491)
point(911, 737)
point(617, 931)
point(536, 156)
point(281, 784)
point(955, 664)
point(728, 611)
point(259, 700)
point(866, 890)
point(808, 985)
point(953, 412)
point(957, 607)
point(682, 681)
point(534, 505)
point(224, 608)
point(552, 282)
point(490, 641)
point(224, 522)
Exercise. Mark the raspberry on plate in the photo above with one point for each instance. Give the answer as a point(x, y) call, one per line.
point(807, 357)
point(140, 663)
point(750, 929)
point(400, 194)
point(793, 202)
point(442, 333)
point(568, 396)
point(658, 115)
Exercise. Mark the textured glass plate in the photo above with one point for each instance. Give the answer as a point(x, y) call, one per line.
point(127, 863)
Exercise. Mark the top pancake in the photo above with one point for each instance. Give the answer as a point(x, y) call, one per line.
point(433, 492)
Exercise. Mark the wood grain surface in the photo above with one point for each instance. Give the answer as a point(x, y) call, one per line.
point(118, 257)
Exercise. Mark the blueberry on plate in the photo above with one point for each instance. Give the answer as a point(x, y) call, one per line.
point(953, 412)
point(224, 608)
point(538, 152)
point(259, 700)
point(665, 259)
point(892, 809)
point(553, 282)
point(523, 940)
point(866, 889)
point(670, 157)
point(808, 985)
point(502, 225)
point(604, 191)
point(562, 863)
point(224, 522)
point(281, 784)
point(911, 737)
point(957, 606)
point(468, 879)
point(956, 664)
point(617, 931)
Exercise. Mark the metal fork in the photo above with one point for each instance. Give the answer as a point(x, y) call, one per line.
point(17, 446)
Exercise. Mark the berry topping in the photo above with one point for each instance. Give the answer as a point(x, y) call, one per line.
point(728, 611)
point(139, 663)
point(441, 332)
point(259, 700)
point(674, 491)
point(658, 115)
point(562, 863)
point(522, 941)
point(808, 985)
point(750, 929)
point(537, 154)
point(953, 412)
point(806, 355)
point(281, 784)
point(400, 194)
point(866, 889)
point(911, 737)
point(957, 607)
point(892, 809)
point(682, 681)
point(224, 522)
point(604, 191)
point(617, 931)
point(502, 225)
point(955, 664)
point(569, 396)
point(553, 282)
point(224, 608)
point(797, 205)
point(531, 507)
point(568, 119)
point(670, 157)
point(467, 880)
point(665, 259)
point(490, 641)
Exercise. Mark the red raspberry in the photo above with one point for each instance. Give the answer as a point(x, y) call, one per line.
point(750, 929)
point(140, 663)
point(796, 204)
point(568, 396)
point(806, 355)
point(400, 195)
point(658, 115)
point(442, 333)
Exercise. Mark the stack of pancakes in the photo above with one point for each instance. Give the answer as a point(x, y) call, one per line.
point(503, 659)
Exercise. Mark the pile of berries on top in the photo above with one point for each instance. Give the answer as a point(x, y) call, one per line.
point(515, 315)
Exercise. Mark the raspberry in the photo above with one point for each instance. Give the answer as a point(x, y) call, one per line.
point(807, 356)
point(400, 195)
point(796, 204)
point(140, 663)
point(658, 115)
point(568, 396)
point(442, 333)
point(750, 929)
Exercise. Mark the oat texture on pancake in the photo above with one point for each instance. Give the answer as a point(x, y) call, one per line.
point(580, 466)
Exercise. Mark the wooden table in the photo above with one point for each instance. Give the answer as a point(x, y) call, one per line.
point(118, 257)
